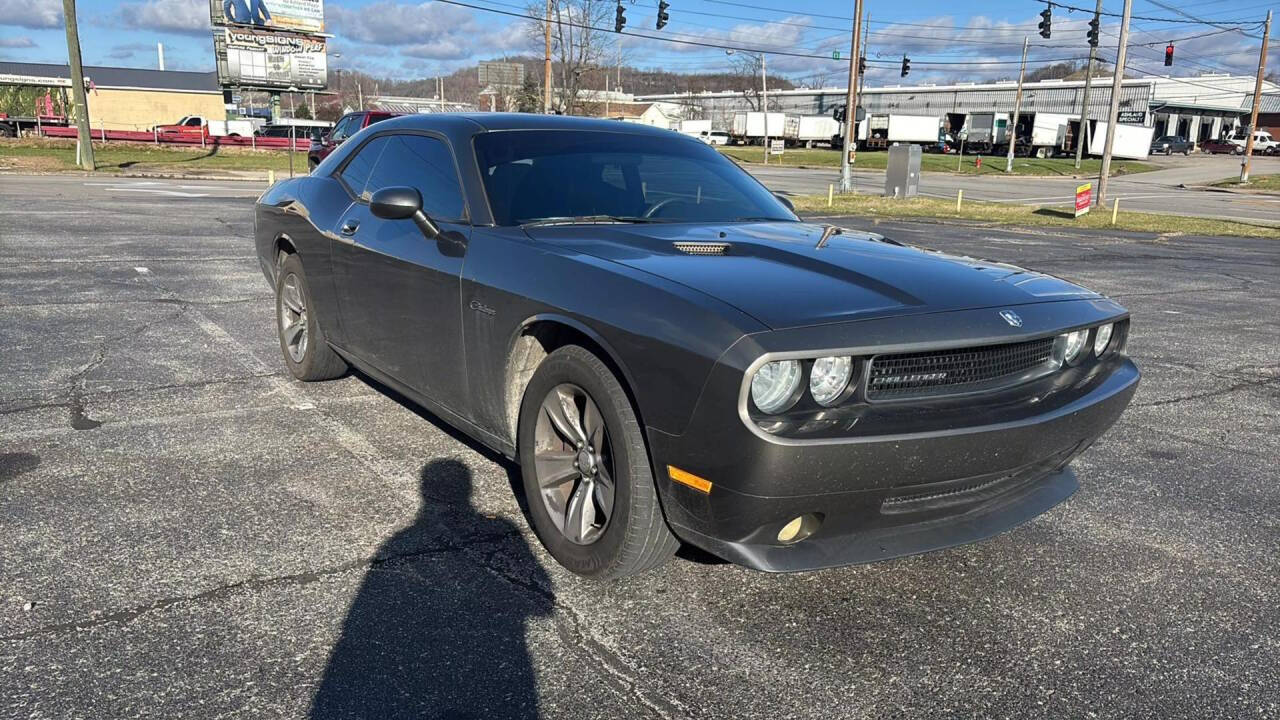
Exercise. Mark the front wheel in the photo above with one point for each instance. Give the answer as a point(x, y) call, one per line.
point(302, 341)
point(585, 467)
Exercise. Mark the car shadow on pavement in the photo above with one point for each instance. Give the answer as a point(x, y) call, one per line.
point(437, 628)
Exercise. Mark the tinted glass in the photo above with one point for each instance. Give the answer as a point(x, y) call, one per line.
point(356, 173)
point(539, 174)
point(424, 163)
point(343, 128)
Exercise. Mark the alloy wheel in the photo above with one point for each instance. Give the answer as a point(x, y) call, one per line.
point(573, 464)
point(293, 318)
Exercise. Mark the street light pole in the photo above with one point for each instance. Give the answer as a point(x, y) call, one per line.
point(1257, 100)
point(1012, 134)
point(1113, 114)
point(546, 71)
point(77, 85)
point(850, 104)
point(1084, 101)
point(764, 105)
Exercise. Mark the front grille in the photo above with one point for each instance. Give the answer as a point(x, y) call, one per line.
point(945, 372)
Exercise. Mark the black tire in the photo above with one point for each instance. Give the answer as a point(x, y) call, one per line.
point(316, 361)
point(636, 537)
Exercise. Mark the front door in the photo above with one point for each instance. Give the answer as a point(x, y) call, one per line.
point(399, 290)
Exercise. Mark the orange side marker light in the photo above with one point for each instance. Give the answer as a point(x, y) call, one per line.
point(687, 478)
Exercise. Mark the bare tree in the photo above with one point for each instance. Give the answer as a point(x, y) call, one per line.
point(746, 73)
point(579, 43)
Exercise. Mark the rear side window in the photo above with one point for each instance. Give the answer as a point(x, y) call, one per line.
point(356, 173)
point(424, 163)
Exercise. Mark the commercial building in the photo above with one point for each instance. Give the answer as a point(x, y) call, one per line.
point(1198, 107)
point(128, 98)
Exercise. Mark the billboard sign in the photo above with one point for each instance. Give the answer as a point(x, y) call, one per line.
point(501, 74)
point(295, 15)
point(269, 59)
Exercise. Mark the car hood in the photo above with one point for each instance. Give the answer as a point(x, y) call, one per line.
point(775, 272)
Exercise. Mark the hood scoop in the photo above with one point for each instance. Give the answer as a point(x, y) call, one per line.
point(702, 248)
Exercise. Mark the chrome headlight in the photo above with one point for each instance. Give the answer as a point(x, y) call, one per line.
point(1101, 339)
point(775, 386)
point(1073, 345)
point(829, 377)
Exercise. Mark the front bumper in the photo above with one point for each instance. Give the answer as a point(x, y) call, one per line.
point(887, 495)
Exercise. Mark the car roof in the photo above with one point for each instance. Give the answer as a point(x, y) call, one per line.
point(495, 122)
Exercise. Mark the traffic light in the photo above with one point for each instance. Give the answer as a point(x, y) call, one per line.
point(1093, 31)
point(619, 18)
point(862, 66)
point(663, 17)
point(1046, 21)
point(906, 65)
point(1168, 55)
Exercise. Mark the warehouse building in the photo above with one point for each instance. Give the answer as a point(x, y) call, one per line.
point(127, 98)
point(1198, 107)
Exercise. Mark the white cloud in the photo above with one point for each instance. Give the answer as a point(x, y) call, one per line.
point(392, 23)
point(20, 41)
point(176, 16)
point(32, 14)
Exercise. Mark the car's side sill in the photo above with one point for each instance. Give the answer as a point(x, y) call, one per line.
point(486, 438)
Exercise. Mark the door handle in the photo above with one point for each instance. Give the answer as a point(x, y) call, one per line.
point(349, 227)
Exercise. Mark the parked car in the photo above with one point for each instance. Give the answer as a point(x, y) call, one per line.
point(197, 125)
point(715, 138)
point(347, 125)
point(671, 355)
point(1170, 144)
point(1220, 146)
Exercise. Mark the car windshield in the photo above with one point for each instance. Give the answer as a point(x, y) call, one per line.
point(536, 175)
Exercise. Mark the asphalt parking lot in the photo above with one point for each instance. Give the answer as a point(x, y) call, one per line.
point(187, 532)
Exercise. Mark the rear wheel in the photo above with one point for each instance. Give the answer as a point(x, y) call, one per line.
point(586, 470)
point(302, 341)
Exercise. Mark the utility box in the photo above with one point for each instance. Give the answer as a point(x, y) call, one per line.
point(902, 178)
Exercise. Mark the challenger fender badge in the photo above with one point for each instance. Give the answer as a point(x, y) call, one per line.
point(1011, 317)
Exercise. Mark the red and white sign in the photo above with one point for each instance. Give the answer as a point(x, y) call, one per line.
point(1084, 198)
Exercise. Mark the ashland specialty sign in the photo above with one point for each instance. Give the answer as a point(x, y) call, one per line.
point(297, 15)
point(252, 58)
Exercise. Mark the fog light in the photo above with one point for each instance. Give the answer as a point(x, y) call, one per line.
point(799, 529)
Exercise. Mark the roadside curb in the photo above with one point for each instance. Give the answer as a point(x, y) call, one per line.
point(1231, 191)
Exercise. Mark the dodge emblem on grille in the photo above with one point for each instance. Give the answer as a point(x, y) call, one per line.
point(1011, 317)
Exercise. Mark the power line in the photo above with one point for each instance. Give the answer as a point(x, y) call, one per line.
point(1073, 8)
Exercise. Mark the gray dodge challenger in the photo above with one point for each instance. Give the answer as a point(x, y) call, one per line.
point(673, 356)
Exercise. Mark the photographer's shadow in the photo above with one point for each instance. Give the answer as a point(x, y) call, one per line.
point(431, 633)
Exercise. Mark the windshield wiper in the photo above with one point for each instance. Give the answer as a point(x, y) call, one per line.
point(761, 218)
point(588, 220)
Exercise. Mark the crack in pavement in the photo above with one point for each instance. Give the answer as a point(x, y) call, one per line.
point(248, 585)
point(1259, 382)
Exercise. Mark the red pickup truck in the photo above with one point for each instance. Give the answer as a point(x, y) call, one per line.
point(196, 125)
point(347, 125)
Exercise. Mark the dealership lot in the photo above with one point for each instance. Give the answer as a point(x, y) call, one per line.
point(190, 533)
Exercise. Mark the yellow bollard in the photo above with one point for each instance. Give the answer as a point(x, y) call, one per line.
point(1115, 210)
point(959, 199)
point(271, 177)
point(831, 191)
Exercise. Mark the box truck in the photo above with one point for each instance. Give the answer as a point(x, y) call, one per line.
point(696, 128)
point(885, 130)
point(807, 130)
point(1132, 141)
point(1043, 134)
point(749, 127)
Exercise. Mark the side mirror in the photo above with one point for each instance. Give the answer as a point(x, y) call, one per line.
point(785, 201)
point(403, 203)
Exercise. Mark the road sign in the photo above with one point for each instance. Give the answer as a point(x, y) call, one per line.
point(1084, 198)
point(835, 54)
point(777, 146)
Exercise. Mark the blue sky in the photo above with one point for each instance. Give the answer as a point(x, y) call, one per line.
point(413, 39)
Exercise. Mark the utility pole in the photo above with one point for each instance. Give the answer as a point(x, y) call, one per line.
point(1257, 100)
point(77, 85)
point(1113, 114)
point(1012, 133)
point(764, 104)
point(546, 91)
point(1084, 101)
point(440, 85)
point(851, 104)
